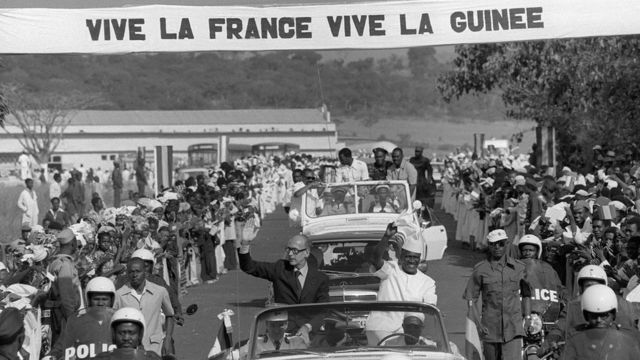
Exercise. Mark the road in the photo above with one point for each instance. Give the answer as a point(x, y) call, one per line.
point(246, 295)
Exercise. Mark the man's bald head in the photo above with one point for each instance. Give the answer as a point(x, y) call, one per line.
point(299, 241)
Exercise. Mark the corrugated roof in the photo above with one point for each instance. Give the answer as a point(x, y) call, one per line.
point(198, 117)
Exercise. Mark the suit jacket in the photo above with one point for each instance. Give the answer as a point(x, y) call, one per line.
point(281, 274)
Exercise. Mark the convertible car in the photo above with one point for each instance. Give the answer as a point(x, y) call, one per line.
point(342, 332)
point(345, 222)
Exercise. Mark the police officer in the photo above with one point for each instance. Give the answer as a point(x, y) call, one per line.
point(571, 317)
point(64, 297)
point(501, 282)
point(127, 329)
point(547, 292)
point(275, 339)
point(11, 334)
point(600, 338)
point(89, 334)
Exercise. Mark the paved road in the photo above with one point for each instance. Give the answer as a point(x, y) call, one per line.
point(246, 295)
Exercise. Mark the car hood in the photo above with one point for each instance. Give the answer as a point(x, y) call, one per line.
point(371, 224)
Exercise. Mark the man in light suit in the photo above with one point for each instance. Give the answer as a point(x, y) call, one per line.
point(295, 279)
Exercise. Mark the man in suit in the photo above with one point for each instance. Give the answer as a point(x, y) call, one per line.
point(295, 280)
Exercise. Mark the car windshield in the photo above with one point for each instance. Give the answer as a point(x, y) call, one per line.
point(348, 327)
point(342, 199)
point(345, 256)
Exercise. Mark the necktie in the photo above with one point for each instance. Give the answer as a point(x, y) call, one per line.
point(297, 273)
point(276, 343)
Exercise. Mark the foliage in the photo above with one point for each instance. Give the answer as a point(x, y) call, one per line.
point(368, 90)
point(41, 118)
point(583, 87)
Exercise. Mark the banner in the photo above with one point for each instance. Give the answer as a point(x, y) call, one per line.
point(374, 25)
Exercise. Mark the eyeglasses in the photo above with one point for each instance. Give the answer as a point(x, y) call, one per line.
point(294, 251)
point(311, 177)
point(501, 243)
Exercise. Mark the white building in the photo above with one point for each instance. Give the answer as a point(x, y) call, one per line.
point(95, 138)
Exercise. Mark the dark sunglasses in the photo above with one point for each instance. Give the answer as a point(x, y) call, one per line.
point(294, 251)
point(501, 243)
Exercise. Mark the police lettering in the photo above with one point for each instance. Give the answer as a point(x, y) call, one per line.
point(546, 295)
point(86, 351)
point(261, 28)
point(496, 20)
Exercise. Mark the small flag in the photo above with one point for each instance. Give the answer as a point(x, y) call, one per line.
point(472, 344)
point(223, 342)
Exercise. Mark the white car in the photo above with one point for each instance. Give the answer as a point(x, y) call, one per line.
point(340, 333)
point(345, 222)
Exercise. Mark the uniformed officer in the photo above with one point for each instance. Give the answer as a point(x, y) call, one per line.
point(127, 329)
point(275, 339)
point(89, 334)
point(601, 338)
point(11, 334)
point(501, 282)
point(547, 292)
point(412, 326)
point(64, 297)
point(571, 317)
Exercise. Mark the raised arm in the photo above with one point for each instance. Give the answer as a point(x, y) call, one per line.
point(383, 245)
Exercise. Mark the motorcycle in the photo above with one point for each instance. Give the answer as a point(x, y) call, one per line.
point(535, 332)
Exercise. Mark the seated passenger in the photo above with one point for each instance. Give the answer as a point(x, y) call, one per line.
point(383, 203)
point(412, 326)
point(275, 338)
point(335, 204)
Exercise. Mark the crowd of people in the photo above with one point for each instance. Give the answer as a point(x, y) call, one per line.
point(143, 254)
point(549, 239)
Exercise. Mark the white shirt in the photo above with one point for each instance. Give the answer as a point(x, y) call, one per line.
point(55, 190)
point(357, 171)
point(397, 285)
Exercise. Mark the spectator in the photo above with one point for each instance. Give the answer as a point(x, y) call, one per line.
point(350, 169)
point(150, 298)
point(56, 217)
point(55, 188)
point(116, 180)
point(401, 169)
point(28, 204)
point(378, 169)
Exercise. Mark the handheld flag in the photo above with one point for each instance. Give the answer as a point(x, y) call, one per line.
point(472, 344)
point(223, 341)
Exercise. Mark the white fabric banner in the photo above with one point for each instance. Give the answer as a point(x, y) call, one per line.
point(159, 28)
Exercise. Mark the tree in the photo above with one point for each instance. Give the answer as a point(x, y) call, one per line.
point(583, 87)
point(38, 121)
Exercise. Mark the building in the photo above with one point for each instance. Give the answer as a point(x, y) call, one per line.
point(95, 138)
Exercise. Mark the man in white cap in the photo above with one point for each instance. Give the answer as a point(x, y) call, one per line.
point(276, 325)
point(501, 281)
point(411, 335)
point(400, 281)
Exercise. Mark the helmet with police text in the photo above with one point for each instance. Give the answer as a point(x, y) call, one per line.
point(592, 272)
point(128, 315)
point(531, 240)
point(599, 299)
point(100, 284)
point(144, 254)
